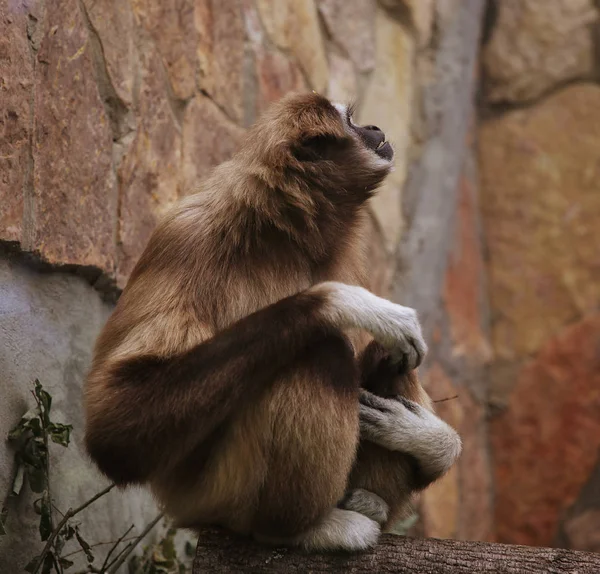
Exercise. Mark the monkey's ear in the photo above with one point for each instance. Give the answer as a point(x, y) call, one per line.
point(316, 147)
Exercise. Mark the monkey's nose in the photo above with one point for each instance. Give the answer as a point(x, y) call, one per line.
point(372, 128)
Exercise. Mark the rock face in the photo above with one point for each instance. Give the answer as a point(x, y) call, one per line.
point(150, 169)
point(16, 91)
point(387, 104)
point(537, 44)
point(541, 210)
point(48, 328)
point(539, 171)
point(352, 26)
point(71, 148)
point(552, 423)
point(111, 111)
point(294, 25)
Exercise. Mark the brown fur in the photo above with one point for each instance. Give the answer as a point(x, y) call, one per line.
point(394, 476)
point(218, 380)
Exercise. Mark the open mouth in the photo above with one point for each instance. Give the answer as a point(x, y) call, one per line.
point(384, 150)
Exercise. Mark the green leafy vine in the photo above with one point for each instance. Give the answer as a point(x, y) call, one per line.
point(31, 438)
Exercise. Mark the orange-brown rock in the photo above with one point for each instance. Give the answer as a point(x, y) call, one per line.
point(16, 89)
point(546, 442)
point(476, 509)
point(74, 198)
point(459, 505)
point(114, 24)
point(150, 169)
point(222, 53)
point(440, 502)
point(202, 45)
point(379, 263)
point(276, 75)
point(463, 288)
point(209, 138)
point(419, 15)
point(538, 44)
point(351, 24)
point(294, 26)
point(171, 25)
point(539, 188)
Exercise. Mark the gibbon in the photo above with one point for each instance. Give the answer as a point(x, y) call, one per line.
point(228, 377)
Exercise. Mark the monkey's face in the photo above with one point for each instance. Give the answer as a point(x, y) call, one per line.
point(312, 142)
point(371, 136)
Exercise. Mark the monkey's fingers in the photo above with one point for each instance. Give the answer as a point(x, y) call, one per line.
point(409, 358)
point(371, 417)
point(372, 401)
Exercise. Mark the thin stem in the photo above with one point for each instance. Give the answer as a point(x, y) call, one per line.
point(114, 567)
point(44, 417)
point(69, 514)
point(114, 547)
point(96, 544)
point(91, 500)
point(447, 399)
point(58, 509)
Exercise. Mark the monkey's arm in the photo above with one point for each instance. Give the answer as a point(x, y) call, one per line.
point(140, 405)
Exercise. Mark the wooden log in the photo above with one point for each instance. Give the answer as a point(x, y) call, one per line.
point(218, 551)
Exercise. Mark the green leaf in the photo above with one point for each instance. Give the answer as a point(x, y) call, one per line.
point(168, 548)
point(84, 546)
point(158, 557)
point(49, 561)
point(46, 517)
point(68, 532)
point(59, 433)
point(30, 421)
point(189, 549)
point(65, 563)
point(34, 452)
point(31, 564)
point(36, 477)
point(59, 544)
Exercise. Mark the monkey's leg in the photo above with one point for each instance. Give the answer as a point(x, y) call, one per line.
point(404, 426)
point(314, 418)
point(145, 404)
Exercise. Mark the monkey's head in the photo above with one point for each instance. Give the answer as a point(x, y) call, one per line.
point(314, 143)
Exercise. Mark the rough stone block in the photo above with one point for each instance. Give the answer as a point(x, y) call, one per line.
point(538, 44)
point(351, 24)
point(294, 25)
point(546, 442)
point(74, 200)
point(16, 91)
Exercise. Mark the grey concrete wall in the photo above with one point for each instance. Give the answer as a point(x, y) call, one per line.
point(48, 325)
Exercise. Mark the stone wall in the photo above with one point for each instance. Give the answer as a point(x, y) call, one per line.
point(539, 159)
point(111, 110)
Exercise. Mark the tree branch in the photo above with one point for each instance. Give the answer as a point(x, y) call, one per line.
point(218, 552)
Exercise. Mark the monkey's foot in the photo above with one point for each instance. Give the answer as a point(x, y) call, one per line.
point(368, 504)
